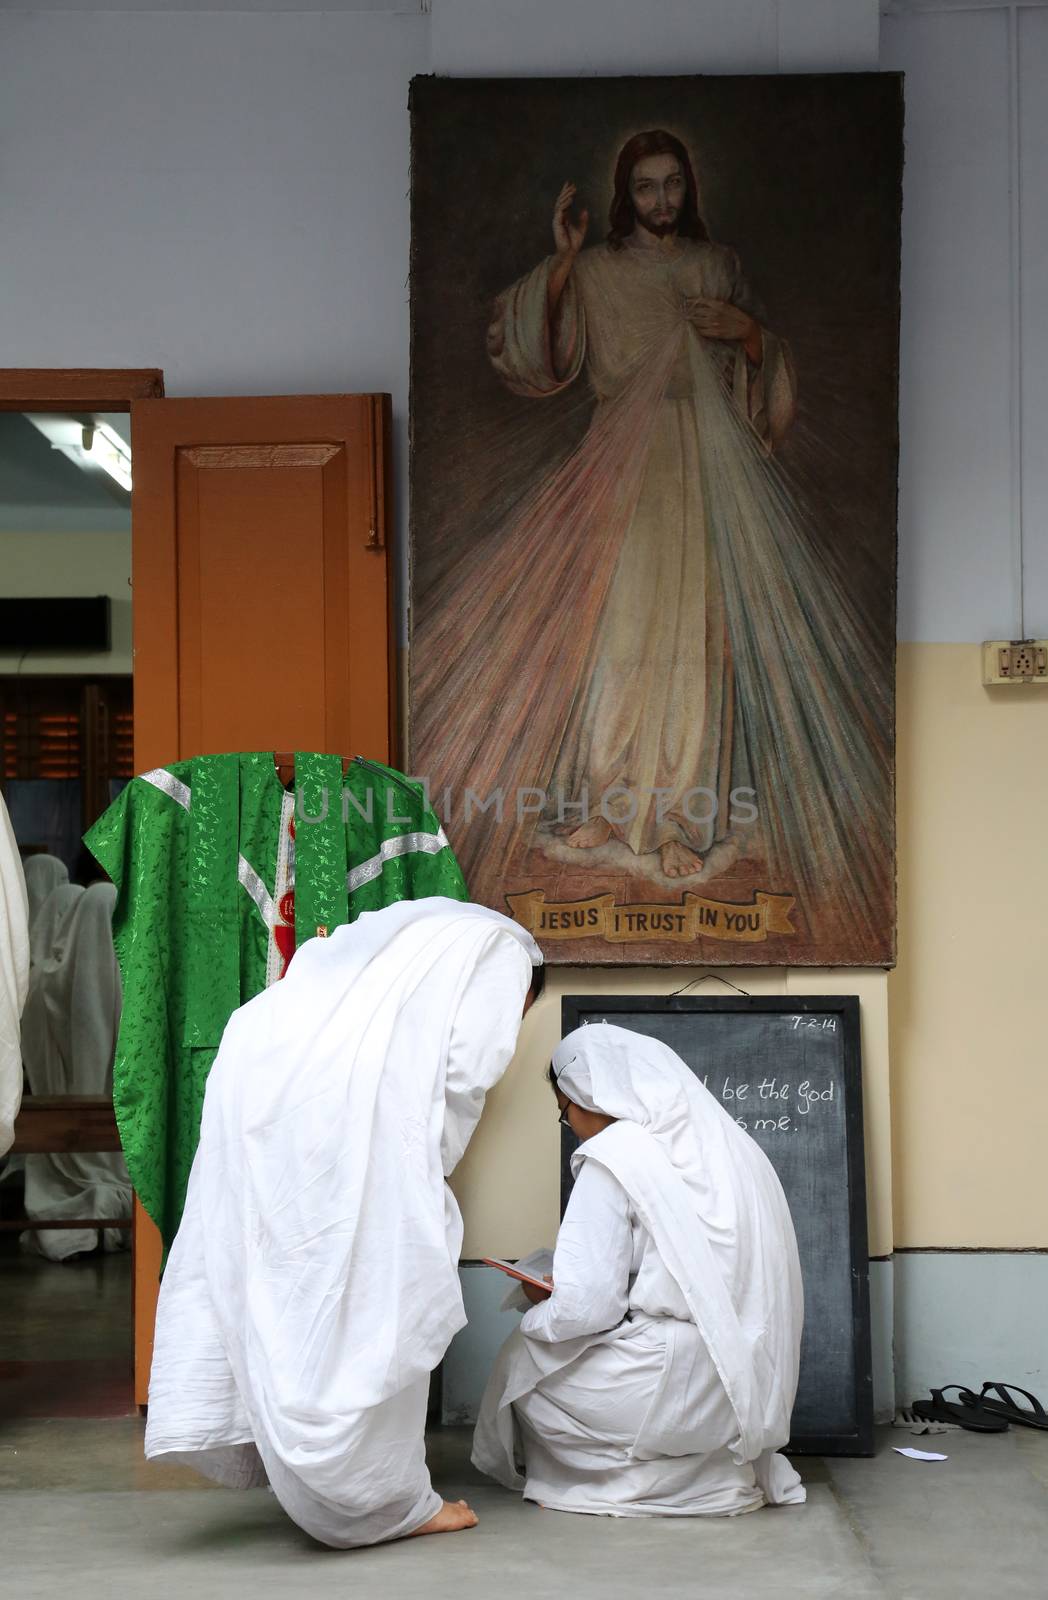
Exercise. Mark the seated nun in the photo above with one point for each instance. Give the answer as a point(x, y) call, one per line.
point(313, 1287)
point(658, 1377)
point(69, 1032)
point(43, 875)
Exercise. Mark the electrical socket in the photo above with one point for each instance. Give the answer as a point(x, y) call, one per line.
point(1015, 661)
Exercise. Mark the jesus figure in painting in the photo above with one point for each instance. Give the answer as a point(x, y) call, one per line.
point(654, 624)
point(652, 727)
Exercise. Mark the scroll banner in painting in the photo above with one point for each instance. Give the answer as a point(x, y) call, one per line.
point(694, 918)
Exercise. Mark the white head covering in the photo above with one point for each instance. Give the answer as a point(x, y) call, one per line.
point(43, 874)
point(84, 997)
point(48, 947)
point(714, 1207)
point(71, 945)
point(339, 1099)
point(14, 976)
point(50, 927)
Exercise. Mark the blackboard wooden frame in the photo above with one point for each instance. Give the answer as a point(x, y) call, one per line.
point(579, 1008)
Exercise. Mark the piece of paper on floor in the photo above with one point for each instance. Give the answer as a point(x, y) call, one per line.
point(918, 1455)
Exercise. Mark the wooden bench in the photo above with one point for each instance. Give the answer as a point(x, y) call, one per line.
point(64, 1125)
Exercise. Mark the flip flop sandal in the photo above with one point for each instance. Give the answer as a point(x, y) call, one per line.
point(972, 1417)
point(1032, 1416)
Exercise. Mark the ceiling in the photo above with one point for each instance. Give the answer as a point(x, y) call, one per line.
point(42, 491)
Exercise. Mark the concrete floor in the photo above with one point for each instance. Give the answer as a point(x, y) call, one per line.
point(82, 1513)
point(65, 1336)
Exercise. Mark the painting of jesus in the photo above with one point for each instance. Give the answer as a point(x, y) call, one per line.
point(646, 670)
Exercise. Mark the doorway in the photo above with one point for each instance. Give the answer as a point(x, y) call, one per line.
point(66, 750)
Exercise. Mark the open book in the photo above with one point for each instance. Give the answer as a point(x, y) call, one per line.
point(520, 1272)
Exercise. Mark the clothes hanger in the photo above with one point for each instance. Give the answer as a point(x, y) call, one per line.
point(284, 761)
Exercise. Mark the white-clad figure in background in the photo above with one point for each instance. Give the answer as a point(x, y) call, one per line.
point(69, 1033)
point(47, 936)
point(49, 930)
point(659, 1376)
point(14, 976)
point(313, 1285)
point(43, 875)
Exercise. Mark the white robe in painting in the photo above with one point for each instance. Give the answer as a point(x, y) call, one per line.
point(657, 614)
point(659, 1377)
point(14, 976)
point(313, 1286)
point(654, 715)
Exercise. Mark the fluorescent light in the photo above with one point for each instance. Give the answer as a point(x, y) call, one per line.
point(90, 444)
point(103, 447)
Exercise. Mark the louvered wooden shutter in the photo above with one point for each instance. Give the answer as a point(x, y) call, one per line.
point(68, 728)
point(42, 730)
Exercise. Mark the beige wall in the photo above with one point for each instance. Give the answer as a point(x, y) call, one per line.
point(956, 1089)
point(509, 1181)
point(969, 1058)
point(36, 564)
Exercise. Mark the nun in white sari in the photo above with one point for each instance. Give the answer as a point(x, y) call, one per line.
point(659, 1376)
point(313, 1284)
point(69, 1033)
point(43, 875)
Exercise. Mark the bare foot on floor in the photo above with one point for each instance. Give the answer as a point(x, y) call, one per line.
point(453, 1515)
point(591, 834)
point(678, 861)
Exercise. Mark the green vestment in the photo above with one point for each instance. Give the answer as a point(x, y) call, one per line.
point(213, 863)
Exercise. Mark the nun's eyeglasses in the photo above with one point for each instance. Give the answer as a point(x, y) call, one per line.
point(563, 1120)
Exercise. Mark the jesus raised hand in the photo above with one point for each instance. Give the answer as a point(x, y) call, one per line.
point(568, 239)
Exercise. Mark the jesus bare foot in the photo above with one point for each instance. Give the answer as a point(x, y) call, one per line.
point(452, 1516)
point(592, 833)
point(677, 861)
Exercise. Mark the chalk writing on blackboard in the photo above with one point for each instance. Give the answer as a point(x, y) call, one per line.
point(772, 1105)
point(818, 1024)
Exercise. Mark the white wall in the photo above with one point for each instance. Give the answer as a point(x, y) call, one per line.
point(1033, 188)
point(575, 38)
point(970, 1319)
point(70, 563)
point(960, 481)
point(220, 195)
point(223, 194)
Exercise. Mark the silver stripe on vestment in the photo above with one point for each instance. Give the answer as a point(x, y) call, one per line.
point(258, 891)
point(160, 778)
point(428, 844)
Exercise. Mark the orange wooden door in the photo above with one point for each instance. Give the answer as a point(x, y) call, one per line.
point(261, 605)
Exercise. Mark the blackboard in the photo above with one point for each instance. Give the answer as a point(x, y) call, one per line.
point(788, 1069)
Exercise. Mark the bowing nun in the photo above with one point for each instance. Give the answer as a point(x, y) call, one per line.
point(658, 1377)
point(313, 1287)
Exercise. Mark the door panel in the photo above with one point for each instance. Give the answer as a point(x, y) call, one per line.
point(268, 607)
point(260, 576)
